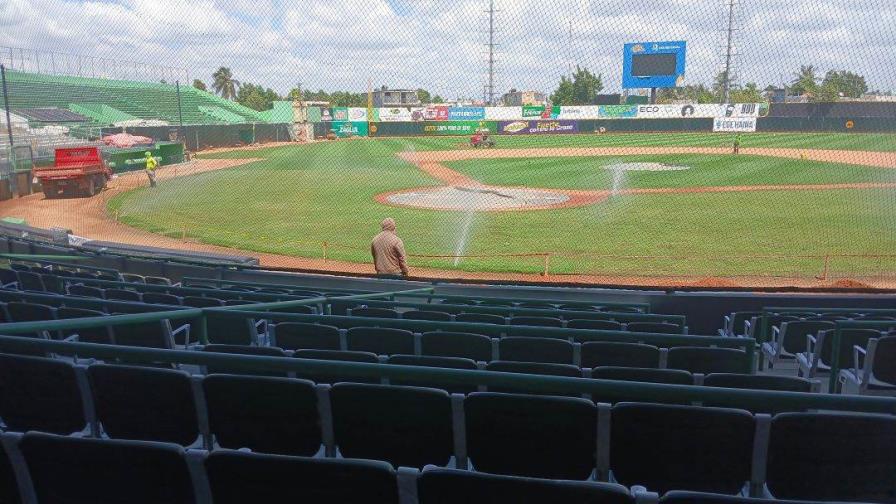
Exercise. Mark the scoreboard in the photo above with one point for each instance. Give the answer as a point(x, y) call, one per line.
point(653, 64)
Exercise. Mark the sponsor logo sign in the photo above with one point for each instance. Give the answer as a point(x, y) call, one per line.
point(436, 113)
point(734, 124)
point(456, 127)
point(344, 129)
point(466, 113)
point(617, 111)
point(533, 111)
point(538, 127)
point(357, 114)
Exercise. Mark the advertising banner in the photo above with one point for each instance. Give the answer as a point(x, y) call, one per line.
point(466, 113)
point(436, 113)
point(574, 112)
point(503, 113)
point(537, 127)
point(617, 111)
point(356, 114)
point(400, 114)
point(345, 129)
point(533, 110)
point(339, 113)
point(457, 127)
point(734, 125)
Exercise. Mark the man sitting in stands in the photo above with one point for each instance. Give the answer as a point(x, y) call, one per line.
point(389, 257)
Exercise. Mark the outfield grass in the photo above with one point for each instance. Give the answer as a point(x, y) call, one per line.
point(301, 196)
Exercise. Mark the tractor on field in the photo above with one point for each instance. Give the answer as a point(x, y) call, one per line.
point(77, 170)
point(481, 138)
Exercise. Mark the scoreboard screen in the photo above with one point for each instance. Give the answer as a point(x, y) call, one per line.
point(653, 64)
point(645, 65)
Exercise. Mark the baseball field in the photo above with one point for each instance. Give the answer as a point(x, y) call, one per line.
point(814, 206)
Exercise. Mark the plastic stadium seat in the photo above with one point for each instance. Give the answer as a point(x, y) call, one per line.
point(144, 403)
point(380, 340)
point(161, 298)
point(535, 350)
point(155, 280)
point(536, 321)
point(480, 318)
point(132, 278)
point(239, 477)
point(619, 354)
point(83, 470)
point(666, 447)
point(791, 339)
point(709, 360)
point(8, 277)
point(817, 358)
point(439, 362)
point(202, 302)
point(231, 330)
point(29, 312)
point(426, 315)
point(53, 283)
point(832, 457)
point(648, 375)
point(535, 368)
point(874, 368)
point(451, 486)
point(734, 323)
point(124, 295)
point(374, 312)
point(301, 309)
point(29, 281)
point(758, 382)
point(685, 497)
point(297, 335)
point(405, 426)
point(40, 394)
point(9, 487)
point(155, 334)
point(536, 436)
point(101, 334)
point(268, 415)
point(537, 305)
point(335, 355)
point(578, 307)
point(601, 325)
point(453, 344)
point(245, 350)
point(654, 327)
point(86, 291)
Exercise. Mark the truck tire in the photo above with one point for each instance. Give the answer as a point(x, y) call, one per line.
point(49, 190)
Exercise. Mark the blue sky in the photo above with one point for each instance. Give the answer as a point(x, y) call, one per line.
point(438, 44)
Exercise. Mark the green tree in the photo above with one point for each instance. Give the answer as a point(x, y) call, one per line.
point(827, 92)
point(846, 83)
point(581, 89)
point(256, 97)
point(750, 93)
point(804, 82)
point(438, 99)
point(424, 96)
point(198, 84)
point(224, 84)
point(692, 93)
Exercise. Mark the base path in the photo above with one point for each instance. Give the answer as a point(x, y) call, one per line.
point(89, 217)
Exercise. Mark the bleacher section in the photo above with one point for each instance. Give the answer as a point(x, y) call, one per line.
point(246, 391)
point(108, 101)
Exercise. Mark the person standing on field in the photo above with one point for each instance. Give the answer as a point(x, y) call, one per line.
point(151, 165)
point(737, 140)
point(389, 257)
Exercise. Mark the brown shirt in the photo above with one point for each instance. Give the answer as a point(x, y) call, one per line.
point(388, 253)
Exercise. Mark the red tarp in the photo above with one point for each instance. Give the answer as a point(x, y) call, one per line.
point(125, 140)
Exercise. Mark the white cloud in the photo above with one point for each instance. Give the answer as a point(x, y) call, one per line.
point(439, 44)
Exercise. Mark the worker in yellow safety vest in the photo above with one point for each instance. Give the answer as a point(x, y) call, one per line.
point(151, 165)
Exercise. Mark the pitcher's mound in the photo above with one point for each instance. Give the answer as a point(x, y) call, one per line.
point(644, 167)
point(478, 199)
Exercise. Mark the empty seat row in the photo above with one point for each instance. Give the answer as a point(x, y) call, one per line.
point(661, 447)
point(53, 469)
point(434, 314)
point(542, 305)
point(742, 323)
point(389, 341)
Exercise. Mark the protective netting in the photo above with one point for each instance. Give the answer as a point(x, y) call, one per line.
point(706, 142)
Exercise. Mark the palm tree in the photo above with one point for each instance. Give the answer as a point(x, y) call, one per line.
point(224, 84)
point(804, 81)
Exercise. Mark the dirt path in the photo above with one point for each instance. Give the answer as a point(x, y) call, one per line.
point(89, 217)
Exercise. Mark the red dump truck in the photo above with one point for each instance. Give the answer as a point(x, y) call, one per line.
point(77, 170)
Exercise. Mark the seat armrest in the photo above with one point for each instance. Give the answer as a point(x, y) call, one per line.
point(858, 355)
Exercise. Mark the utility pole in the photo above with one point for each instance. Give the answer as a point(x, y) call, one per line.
point(726, 86)
point(491, 52)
